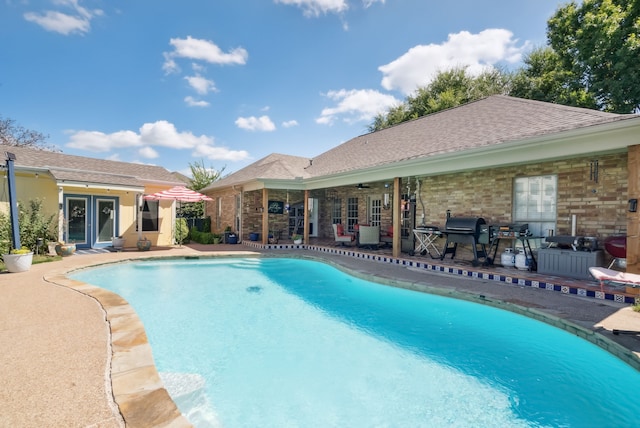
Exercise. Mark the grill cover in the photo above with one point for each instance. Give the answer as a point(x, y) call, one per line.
point(464, 225)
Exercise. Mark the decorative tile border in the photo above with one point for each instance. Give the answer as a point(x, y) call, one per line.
point(575, 290)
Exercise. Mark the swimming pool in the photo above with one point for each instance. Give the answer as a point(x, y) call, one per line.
point(289, 342)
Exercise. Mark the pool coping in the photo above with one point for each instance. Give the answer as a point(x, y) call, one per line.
point(136, 386)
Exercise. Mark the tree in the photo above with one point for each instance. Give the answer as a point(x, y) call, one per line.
point(12, 134)
point(543, 78)
point(202, 177)
point(448, 89)
point(599, 41)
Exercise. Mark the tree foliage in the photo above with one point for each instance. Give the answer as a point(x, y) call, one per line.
point(599, 41)
point(543, 78)
point(12, 134)
point(202, 177)
point(448, 89)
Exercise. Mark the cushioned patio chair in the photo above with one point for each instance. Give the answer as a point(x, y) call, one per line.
point(341, 236)
point(369, 237)
point(386, 236)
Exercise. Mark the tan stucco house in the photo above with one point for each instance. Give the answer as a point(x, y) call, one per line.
point(504, 159)
point(94, 199)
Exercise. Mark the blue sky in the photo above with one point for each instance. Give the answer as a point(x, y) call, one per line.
point(228, 82)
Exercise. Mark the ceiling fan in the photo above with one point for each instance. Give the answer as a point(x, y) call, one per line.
point(362, 186)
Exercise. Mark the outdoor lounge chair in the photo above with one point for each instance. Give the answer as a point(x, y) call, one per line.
point(369, 237)
point(340, 235)
point(609, 275)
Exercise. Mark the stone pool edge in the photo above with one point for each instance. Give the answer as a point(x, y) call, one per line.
point(136, 386)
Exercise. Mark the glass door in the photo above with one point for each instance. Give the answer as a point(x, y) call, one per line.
point(106, 220)
point(76, 220)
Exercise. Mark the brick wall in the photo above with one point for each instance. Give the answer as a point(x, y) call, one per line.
point(600, 207)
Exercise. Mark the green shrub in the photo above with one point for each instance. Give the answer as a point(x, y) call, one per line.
point(201, 237)
point(33, 223)
point(182, 231)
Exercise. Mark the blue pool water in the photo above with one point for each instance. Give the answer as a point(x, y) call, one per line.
point(294, 343)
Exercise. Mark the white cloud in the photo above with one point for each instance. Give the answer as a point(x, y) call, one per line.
point(317, 7)
point(262, 123)
point(202, 50)
point(200, 84)
point(220, 153)
point(149, 136)
point(289, 123)
point(148, 153)
point(355, 105)
point(192, 102)
point(77, 21)
point(478, 52)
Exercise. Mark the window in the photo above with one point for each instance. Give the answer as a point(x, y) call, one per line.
point(150, 216)
point(534, 203)
point(336, 212)
point(352, 213)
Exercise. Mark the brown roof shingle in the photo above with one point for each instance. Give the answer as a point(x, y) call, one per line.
point(493, 120)
point(91, 170)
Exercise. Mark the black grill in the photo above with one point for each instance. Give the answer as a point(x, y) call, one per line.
point(466, 230)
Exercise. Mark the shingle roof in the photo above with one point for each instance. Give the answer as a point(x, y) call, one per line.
point(489, 121)
point(275, 166)
point(90, 170)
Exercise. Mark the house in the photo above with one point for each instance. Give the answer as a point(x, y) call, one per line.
point(559, 169)
point(94, 199)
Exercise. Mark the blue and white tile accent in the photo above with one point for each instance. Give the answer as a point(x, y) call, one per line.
point(510, 280)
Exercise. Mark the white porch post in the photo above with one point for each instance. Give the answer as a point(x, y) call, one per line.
point(61, 236)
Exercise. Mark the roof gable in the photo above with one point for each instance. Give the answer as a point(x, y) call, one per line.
point(275, 166)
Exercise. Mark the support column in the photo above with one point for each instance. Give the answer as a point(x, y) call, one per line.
point(633, 219)
point(397, 243)
point(13, 202)
point(305, 236)
point(265, 216)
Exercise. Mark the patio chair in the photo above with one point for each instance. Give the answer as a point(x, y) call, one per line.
point(340, 235)
point(369, 237)
point(386, 236)
point(605, 275)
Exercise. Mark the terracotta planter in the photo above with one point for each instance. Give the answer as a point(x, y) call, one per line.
point(18, 262)
point(65, 250)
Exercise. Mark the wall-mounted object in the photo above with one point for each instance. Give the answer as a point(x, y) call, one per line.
point(633, 205)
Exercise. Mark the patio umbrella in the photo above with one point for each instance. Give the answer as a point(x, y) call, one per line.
point(179, 194)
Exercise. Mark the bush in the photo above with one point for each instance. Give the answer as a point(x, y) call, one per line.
point(33, 224)
point(182, 231)
point(201, 237)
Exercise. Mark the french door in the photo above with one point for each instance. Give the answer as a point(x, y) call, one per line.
point(90, 221)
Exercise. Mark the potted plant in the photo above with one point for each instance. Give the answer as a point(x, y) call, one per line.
point(18, 260)
point(65, 248)
point(143, 244)
point(254, 236)
point(297, 239)
point(117, 242)
point(217, 238)
point(273, 239)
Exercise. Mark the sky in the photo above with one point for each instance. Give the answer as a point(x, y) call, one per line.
point(228, 82)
